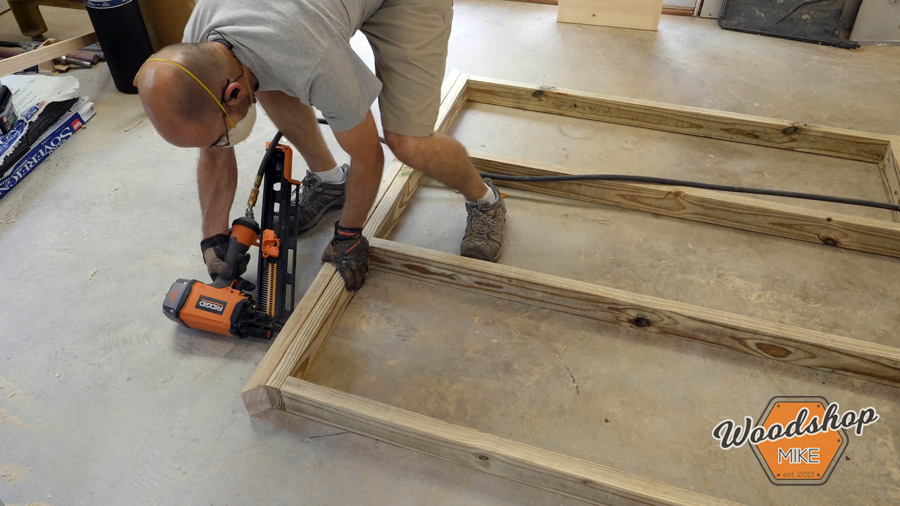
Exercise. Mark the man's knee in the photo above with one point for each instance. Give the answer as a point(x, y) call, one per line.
point(409, 150)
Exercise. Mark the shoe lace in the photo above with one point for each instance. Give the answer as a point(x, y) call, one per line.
point(308, 187)
point(481, 223)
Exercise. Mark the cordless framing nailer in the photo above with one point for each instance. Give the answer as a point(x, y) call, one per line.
point(227, 305)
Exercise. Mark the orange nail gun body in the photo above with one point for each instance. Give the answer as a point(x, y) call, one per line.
point(227, 306)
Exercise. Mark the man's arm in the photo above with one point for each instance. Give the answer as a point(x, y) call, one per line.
point(366, 164)
point(216, 183)
point(349, 250)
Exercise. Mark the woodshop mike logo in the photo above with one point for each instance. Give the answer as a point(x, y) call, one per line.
point(799, 440)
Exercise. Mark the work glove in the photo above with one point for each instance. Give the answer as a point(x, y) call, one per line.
point(349, 253)
point(214, 249)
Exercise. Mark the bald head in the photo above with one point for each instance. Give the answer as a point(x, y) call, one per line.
point(180, 109)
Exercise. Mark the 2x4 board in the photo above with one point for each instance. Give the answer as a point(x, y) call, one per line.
point(277, 383)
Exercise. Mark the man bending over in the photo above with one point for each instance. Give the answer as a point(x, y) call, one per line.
point(291, 56)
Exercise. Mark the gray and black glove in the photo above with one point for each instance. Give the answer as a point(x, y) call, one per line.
point(349, 253)
point(214, 249)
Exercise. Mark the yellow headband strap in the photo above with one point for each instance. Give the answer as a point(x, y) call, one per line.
point(195, 78)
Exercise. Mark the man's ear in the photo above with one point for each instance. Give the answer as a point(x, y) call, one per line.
point(233, 91)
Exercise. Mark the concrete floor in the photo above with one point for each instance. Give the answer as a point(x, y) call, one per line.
point(103, 401)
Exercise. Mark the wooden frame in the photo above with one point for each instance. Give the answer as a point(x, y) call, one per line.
point(277, 383)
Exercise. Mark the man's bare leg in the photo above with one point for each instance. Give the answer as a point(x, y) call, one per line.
point(440, 157)
point(446, 160)
point(298, 123)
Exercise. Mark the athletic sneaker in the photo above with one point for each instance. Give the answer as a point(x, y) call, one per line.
point(483, 239)
point(318, 198)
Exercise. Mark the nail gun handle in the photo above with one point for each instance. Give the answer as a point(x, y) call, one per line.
point(244, 233)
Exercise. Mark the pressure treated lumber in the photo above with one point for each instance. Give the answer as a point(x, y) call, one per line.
point(760, 131)
point(889, 166)
point(45, 54)
point(323, 304)
point(784, 343)
point(638, 14)
point(500, 457)
point(718, 208)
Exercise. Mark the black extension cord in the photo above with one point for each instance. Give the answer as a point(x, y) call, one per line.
point(692, 184)
point(676, 182)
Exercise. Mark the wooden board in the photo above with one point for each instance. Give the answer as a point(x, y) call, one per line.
point(889, 166)
point(743, 128)
point(718, 208)
point(45, 53)
point(638, 14)
point(784, 343)
point(515, 461)
point(325, 300)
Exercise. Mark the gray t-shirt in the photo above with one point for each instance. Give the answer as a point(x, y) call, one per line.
point(300, 47)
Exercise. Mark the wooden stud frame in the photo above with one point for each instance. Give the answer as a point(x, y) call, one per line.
point(277, 383)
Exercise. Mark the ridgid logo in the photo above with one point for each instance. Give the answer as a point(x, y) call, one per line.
point(798, 440)
point(212, 305)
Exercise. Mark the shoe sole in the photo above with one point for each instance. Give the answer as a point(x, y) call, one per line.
point(337, 204)
point(492, 260)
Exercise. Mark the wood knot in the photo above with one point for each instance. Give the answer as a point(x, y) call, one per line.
point(829, 241)
point(641, 321)
point(790, 130)
point(773, 350)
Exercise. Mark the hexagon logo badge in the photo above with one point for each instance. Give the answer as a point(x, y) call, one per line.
point(805, 459)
